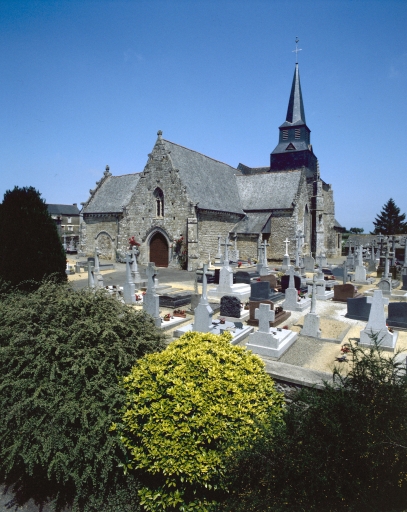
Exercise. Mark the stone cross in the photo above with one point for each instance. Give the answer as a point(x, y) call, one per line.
point(91, 279)
point(204, 298)
point(345, 272)
point(151, 272)
point(286, 241)
point(377, 318)
point(97, 267)
point(226, 244)
point(264, 315)
point(134, 267)
point(314, 294)
point(290, 272)
point(386, 263)
point(360, 256)
point(298, 247)
point(219, 254)
point(129, 261)
point(393, 248)
point(264, 246)
point(349, 248)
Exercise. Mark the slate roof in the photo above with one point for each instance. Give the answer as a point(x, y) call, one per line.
point(253, 222)
point(114, 193)
point(269, 191)
point(295, 111)
point(210, 183)
point(62, 209)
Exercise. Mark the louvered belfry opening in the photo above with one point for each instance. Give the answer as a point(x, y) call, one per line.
point(159, 250)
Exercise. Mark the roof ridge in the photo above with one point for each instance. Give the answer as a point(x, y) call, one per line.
point(197, 152)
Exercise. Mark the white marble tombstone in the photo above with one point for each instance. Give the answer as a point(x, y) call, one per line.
point(360, 271)
point(376, 325)
point(291, 302)
point(286, 257)
point(266, 341)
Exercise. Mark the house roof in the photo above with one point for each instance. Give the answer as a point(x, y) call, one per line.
point(210, 183)
point(114, 193)
point(253, 222)
point(269, 191)
point(62, 209)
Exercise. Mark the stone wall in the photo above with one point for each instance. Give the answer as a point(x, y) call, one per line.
point(102, 231)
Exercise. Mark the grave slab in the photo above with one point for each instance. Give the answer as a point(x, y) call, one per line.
point(376, 325)
point(280, 315)
point(343, 292)
point(397, 315)
point(238, 334)
point(175, 300)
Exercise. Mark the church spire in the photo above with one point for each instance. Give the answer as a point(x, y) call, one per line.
point(295, 111)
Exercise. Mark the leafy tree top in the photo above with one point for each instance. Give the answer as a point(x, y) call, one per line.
point(390, 221)
point(61, 355)
point(187, 409)
point(30, 246)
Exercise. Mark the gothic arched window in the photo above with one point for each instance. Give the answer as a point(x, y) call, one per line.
point(159, 202)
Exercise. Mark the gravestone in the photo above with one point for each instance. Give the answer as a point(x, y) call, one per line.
point(285, 280)
point(397, 315)
point(385, 285)
point(309, 263)
point(230, 306)
point(271, 278)
point(358, 309)
point(376, 325)
point(343, 292)
point(245, 277)
point(360, 271)
point(175, 300)
point(404, 287)
point(135, 274)
point(271, 342)
point(203, 312)
point(280, 314)
point(91, 277)
point(226, 286)
point(129, 288)
point(291, 302)
point(260, 290)
point(151, 299)
point(312, 320)
point(264, 270)
point(321, 292)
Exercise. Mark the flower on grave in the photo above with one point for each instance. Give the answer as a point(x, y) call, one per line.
point(239, 264)
point(133, 242)
point(258, 279)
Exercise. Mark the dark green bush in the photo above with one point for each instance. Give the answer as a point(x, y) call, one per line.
point(61, 353)
point(341, 449)
point(30, 246)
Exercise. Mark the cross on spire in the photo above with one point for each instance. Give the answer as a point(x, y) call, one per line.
point(296, 49)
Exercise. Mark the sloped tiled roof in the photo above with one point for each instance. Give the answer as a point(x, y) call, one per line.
point(114, 193)
point(253, 222)
point(269, 191)
point(62, 209)
point(210, 183)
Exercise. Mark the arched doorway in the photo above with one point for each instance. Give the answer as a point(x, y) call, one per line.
point(159, 250)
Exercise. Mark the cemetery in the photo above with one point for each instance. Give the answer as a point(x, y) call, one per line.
point(299, 316)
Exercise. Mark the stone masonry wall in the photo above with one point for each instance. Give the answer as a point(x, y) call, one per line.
point(101, 231)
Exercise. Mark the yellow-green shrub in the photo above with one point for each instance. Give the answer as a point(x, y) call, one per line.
point(188, 408)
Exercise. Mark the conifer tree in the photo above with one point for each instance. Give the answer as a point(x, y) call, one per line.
point(390, 221)
point(30, 247)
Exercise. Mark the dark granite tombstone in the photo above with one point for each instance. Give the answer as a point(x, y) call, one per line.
point(230, 306)
point(343, 292)
point(260, 290)
point(285, 282)
point(280, 314)
point(404, 287)
point(358, 309)
point(243, 276)
point(175, 300)
point(397, 314)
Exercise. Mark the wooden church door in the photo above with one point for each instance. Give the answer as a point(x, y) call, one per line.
point(159, 250)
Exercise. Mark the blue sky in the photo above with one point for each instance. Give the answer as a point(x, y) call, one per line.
point(88, 83)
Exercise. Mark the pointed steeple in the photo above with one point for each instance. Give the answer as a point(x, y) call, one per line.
point(295, 111)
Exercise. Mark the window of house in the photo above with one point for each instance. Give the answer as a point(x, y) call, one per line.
point(69, 220)
point(159, 202)
point(70, 228)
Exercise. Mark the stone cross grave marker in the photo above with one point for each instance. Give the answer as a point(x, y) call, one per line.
point(129, 288)
point(298, 246)
point(376, 325)
point(264, 315)
point(151, 273)
point(151, 299)
point(264, 270)
point(286, 241)
point(227, 245)
point(219, 253)
point(203, 312)
point(134, 267)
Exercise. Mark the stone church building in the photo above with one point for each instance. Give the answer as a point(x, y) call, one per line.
point(182, 201)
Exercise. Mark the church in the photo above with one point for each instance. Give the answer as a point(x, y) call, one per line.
point(183, 201)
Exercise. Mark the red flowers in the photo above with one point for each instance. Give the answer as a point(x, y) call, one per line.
point(132, 242)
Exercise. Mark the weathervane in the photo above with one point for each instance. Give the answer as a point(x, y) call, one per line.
point(296, 49)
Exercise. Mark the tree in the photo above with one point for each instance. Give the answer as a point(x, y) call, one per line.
point(341, 449)
point(30, 247)
point(390, 221)
point(356, 231)
point(188, 409)
point(61, 355)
